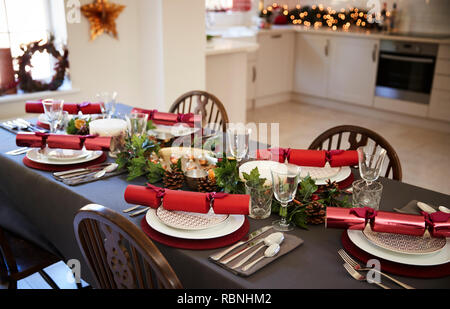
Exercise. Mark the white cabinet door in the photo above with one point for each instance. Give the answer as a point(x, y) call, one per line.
point(274, 64)
point(311, 64)
point(353, 69)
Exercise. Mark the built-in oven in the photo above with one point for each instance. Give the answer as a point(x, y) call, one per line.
point(406, 70)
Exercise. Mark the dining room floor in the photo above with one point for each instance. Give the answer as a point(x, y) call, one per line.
point(424, 153)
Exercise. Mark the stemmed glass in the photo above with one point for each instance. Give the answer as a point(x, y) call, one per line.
point(370, 160)
point(109, 103)
point(285, 180)
point(53, 110)
point(239, 140)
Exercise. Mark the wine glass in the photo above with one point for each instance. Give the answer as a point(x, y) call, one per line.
point(109, 103)
point(53, 111)
point(239, 140)
point(285, 180)
point(137, 123)
point(370, 160)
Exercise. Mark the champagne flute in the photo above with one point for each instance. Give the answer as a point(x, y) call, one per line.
point(285, 180)
point(109, 103)
point(53, 111)
point(239, 140)
point(370, 159)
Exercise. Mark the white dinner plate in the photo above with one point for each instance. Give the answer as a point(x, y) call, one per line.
point(264, 167)
point(228, 226)
point(438, 258)
point(35, 156)
point(176, 130)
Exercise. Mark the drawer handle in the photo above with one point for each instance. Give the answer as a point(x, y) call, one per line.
point(276, 36)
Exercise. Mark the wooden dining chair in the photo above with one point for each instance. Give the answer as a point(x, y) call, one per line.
point(208, 105)
point(119, 254)
point(350, 137)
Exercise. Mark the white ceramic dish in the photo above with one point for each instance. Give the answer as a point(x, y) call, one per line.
point(228, 226)
point(174, 130)
point(35, 156)
point(438, 258)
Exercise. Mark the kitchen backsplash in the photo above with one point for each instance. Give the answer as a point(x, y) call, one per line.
point(426, 16)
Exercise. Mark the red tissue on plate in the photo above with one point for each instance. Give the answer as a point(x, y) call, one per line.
point(437, 224)
point(222, 203)
point(170, 119)
point(71, 108)
point(307, 157)
point(76, 142)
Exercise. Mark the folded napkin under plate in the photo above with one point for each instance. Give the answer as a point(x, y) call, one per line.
point(289, 243)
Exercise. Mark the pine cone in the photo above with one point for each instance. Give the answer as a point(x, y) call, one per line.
point(315, 213)
point(331, 185)
point(173, 179)
point(206, 185)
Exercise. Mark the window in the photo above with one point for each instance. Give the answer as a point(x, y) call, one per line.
point(25, 21)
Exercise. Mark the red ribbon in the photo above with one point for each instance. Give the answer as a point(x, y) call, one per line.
point(184, 117)
point(213, 195)
point(160, 192)
point(82, 105)
point(43, 137)
point(364, 212)
point(84, 137)
point(330, 153)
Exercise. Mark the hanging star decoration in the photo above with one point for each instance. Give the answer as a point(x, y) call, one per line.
point(102, 16)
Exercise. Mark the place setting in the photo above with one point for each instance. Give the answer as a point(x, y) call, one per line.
point(410, 241)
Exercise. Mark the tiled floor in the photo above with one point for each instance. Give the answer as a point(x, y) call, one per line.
point(424, 153)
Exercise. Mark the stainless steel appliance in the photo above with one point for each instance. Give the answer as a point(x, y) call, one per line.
point(406, 70)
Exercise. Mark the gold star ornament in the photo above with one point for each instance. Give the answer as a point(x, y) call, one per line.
point(102, 16)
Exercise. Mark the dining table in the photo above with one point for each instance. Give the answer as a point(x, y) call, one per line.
point(51, 206)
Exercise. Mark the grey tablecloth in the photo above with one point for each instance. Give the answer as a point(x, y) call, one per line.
point(51, 206)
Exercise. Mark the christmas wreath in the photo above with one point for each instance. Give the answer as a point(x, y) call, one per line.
point(25, 79)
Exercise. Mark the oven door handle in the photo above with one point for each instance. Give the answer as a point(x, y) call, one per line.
point(404, 58)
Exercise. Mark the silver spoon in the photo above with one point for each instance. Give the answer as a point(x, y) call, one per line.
point(274, 238)
point(444, 209)
point(110, 168)
point(425, 207)
point(271, 251)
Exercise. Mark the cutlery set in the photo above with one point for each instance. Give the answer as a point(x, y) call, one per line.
point(15, 126)
point(88, 174)
point(136, 213)
point(272, 243)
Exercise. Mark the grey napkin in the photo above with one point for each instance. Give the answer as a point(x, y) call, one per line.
point(290, 243)
point(412, 208)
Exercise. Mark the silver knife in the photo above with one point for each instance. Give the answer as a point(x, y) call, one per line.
point(244, 240)
point(248, 247)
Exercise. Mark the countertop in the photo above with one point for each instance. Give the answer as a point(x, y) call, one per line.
point(219, 46)
point(250, 33)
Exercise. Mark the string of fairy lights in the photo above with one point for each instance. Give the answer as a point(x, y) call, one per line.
point(318, 16)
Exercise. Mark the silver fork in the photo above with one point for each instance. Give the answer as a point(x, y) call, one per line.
point(356, 266)
point(355, 274)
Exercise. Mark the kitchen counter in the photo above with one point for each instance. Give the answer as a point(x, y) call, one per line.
point(247, 32)
point(219, 46)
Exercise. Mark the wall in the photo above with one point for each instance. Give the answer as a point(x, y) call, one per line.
point(159, 55)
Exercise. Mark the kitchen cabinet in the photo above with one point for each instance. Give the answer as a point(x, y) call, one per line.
point(337, 68)
point(352, 70)
point(274, 64)
point(311, 64)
